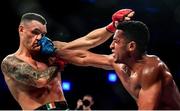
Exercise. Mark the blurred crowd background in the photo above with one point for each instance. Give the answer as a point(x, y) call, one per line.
point(71, 19)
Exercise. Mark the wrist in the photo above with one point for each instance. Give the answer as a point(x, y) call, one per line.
point(111, 28)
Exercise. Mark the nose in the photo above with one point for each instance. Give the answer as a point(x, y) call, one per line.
point(112, 45)
point(38, 37)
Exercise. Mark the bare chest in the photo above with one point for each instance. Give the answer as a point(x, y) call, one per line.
point(26, 61)
point(37, 65)
point(41, 66)
point(134, 85)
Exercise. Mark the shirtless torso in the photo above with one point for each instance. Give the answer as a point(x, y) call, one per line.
point(32, 85)
point(151, 84)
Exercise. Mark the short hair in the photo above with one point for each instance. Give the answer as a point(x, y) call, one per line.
point(33, 16)
point(136, 31)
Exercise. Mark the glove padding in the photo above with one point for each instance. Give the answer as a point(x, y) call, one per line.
point(118, 16)
point(61, 63)
point(47, 47)
point(55, 60)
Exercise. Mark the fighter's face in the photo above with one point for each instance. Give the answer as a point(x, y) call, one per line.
point(30, 34)
point(119, 47)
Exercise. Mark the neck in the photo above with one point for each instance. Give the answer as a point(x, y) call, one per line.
point(26, 53)
point(23, 52)
point(133, 61)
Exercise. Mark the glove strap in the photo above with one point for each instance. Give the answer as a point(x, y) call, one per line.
point(111, 28)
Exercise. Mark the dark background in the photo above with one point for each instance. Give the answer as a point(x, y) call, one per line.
point(71, 19)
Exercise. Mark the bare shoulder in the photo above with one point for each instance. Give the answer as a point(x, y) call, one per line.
point(156, 62)
point(154, 67)
point(9, 60)
point(160, 71)
point(153, 59)
point(8, 57)
point(154, 70)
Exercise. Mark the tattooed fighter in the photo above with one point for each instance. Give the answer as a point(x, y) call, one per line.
point(33, 83)
point(31, 79)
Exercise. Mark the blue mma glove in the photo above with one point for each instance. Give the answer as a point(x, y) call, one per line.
point(47, 46)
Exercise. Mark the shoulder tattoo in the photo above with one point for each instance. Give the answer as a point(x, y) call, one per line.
point(24, 73)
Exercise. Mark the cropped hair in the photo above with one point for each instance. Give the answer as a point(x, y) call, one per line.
point(136, 31)
point(33, 16)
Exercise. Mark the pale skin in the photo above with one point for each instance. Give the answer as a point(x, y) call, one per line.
point(32, 82)
point(146, 78)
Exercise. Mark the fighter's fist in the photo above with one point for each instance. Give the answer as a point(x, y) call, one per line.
point(47, 47)
point(119, 16)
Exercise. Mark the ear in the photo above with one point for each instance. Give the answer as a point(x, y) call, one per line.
point(21, 28)
point(131, 46)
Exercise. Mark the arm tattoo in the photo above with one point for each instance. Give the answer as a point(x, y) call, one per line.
point(24, 73)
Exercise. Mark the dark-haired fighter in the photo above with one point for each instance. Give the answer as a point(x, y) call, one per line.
point(146, 77)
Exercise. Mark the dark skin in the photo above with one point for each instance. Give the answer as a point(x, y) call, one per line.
point(146, 78)
point(149, 81)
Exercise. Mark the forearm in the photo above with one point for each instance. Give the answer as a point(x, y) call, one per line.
point(93, 39)
point(99, 36)
point(59, 44)
point(85, 58)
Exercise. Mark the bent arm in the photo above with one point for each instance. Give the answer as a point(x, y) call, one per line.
point(92, 39)
point(151, 89)
point(99, 36)
point(25, 74)
point(123, 73)
point(86, 58)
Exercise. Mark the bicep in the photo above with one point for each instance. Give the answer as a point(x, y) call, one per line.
point(18, 73)
point(27, 75)
point(149, 95)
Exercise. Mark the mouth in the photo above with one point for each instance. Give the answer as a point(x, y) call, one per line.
point(113, 52)
point(113, 55)
point(36, 45)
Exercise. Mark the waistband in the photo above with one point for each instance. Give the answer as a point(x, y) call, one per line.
point(61, 105)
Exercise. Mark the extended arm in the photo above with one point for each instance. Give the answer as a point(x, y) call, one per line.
point(24, 73)
point(76, 57)
point(86, 58)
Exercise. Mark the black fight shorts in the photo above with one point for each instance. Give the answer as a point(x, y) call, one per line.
point(61, 105)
